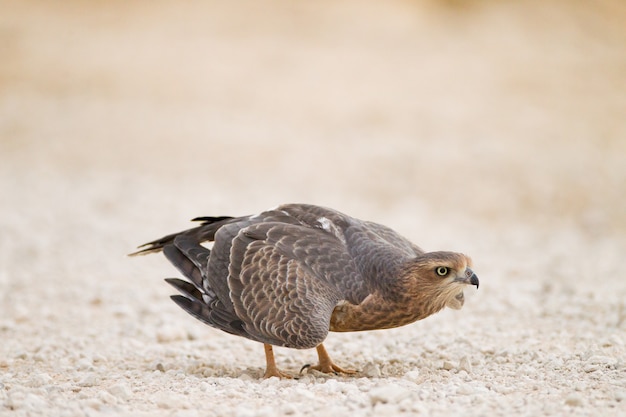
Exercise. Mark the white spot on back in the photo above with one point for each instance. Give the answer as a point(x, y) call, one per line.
point(330, 227)
point(325, 223)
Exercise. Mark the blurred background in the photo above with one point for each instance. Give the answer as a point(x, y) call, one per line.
point(493, 109)
point(483, 126)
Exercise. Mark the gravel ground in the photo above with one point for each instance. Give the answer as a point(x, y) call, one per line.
point(491, 128)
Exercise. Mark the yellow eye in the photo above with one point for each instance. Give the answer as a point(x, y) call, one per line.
point(442, 271)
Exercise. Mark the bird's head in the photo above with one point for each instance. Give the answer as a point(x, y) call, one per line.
point(439, 278)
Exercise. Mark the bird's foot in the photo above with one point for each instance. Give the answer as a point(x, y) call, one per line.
point(277, 373)
point(328, 368)
point(271, 369)
point(326, 365)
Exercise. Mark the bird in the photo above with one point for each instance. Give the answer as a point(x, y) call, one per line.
point(290, 275)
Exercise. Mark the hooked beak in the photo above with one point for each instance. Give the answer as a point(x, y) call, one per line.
point(469, 277)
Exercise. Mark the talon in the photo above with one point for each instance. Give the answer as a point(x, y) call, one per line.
point(306, 366)
point(326, 365)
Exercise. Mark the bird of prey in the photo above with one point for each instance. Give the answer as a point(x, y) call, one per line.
point(289, 275)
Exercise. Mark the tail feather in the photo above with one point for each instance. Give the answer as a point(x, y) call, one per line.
point(211, 219)
point(185, 252)
point(194, 307)
point(203, 233)
point(210, 316)
point(186, 288)
point(186, 267)
point(196, 253)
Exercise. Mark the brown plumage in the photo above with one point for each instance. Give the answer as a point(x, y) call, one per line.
point(289, 275)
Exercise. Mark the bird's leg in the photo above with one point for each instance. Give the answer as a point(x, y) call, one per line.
point(270, 368)
point(326, 364)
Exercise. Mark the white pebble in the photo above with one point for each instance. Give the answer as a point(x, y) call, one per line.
point(89, 380)
point(186, 413)
point(465, 365)
point(107, 398)
point(34, 402)
point(413, 375)
point(574, 400)
point(465, 389)
point(616, 340)
point(372, 370)
point(447, 365)
point(289, 409)
point(244, 411)
point(39, 380)
point(601, 360)
point(168, 333)
point(246, 377)
point(387, 394)
point(84, 365)
point(382, 409)
point(121, 391)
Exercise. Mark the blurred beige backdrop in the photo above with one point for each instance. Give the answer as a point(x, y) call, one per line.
point(491, 109)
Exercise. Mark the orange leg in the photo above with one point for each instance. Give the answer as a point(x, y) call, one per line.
point(326, 364)
point(271, 369)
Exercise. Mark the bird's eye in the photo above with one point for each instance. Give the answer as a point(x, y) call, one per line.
point(442, 271)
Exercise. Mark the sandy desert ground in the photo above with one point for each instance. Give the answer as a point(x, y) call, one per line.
point(492, 128)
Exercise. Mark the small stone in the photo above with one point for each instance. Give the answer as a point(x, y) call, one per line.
point(447, 365)
point(387, 394)
point(574, 400)
point(246, 377)
point(244, 411)
point(166, 402)
point(413, 375)
point(289, 409)
point(89, 380)
point(465, 389)
point(123, 310)
point(465, 365)
point(168, 333)
point(121, 391)
point(372, 370)
point(384, 409)
point(84, 364)
point(107, 398)
point(186, 413)
point(601, 360)
point(616, 340)
point(39, 380)
point(34, 402)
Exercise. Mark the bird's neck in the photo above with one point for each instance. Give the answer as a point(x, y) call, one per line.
point(376, 312)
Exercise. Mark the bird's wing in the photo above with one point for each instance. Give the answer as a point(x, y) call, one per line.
point(225, 237)
point(377, 251)
point(286, 279)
